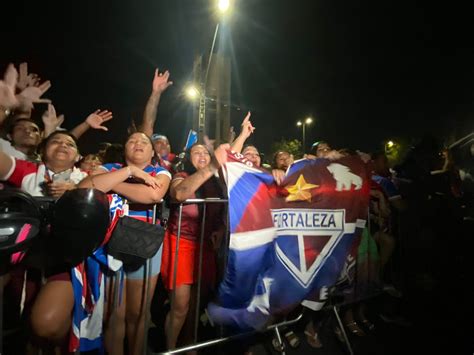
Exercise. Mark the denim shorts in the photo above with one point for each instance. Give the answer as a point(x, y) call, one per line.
point(155, 267)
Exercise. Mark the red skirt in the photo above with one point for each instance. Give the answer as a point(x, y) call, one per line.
point(188, 262)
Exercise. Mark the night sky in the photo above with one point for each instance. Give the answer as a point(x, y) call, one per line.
point(365, 70)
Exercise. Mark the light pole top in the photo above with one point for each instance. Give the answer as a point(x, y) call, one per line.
point(223, 6)
point(192, 92)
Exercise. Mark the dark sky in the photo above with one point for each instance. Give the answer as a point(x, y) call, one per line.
point(365, 70)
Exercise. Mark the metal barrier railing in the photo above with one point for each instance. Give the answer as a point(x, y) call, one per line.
point(147, 300)
point(275, 327)
point(204, 202)
point(200, 345)
point(221, 339)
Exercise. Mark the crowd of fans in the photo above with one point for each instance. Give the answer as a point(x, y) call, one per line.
point(43, 159)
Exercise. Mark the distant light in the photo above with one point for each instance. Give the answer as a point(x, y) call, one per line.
point(192, 92)
point(308, 120)
point(390, 144)
point(299, 123)
point(223, 6)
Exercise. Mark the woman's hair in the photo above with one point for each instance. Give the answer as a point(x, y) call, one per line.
point(114, 154)
point(146, 135)
point(275, 156)
point(185, 164)
point(250, 146)
point(314, 147)
point(93, 157)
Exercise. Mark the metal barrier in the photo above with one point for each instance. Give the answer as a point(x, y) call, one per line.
point(196, 345)
point(334, 308)
point(115, 297)
point(204, 202)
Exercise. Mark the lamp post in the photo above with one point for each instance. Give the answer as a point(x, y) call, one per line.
point(304, 123)
point(223, 7)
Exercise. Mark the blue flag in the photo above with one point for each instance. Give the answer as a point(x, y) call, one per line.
point(192, 138)
point(288, 243)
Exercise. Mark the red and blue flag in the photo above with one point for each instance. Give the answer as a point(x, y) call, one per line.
point(288, 243)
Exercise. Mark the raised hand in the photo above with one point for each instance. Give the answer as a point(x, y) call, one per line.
point(32, 94)
point(32, 80)
point(231, 134)
point(22, 77)
point(161, 82)
point(51, 120)
point(220, 154)
point(97, 118)
point(209, 143)
point(7, 88)
point(247, 128)
point(278, 175)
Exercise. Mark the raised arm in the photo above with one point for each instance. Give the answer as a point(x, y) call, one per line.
point(159, 85)
point(94, 120)
point(30, 92)
point(246, 131)
point(182, 189)
point(8, 100)
point(51, 120)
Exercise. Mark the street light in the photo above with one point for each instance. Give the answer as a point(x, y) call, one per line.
point(223, 7)
point(191, 92)
point(306, 122)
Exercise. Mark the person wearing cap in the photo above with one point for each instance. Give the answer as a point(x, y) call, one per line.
point(163, 153)
point(319, 149)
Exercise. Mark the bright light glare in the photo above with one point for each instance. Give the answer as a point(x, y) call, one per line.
point(390, 144)
point(223, 5)
point(191, 92)
point(299, 123)
point(308, 120)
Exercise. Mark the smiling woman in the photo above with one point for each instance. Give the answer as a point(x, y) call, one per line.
point(59, 155)
point(197, 180)
point(51, 312)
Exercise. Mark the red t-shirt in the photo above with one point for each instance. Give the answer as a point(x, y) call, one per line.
point(191, 217)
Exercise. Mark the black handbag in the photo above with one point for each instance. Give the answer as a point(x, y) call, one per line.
point(134, 241)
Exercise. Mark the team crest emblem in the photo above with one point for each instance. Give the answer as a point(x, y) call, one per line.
point(316, 233)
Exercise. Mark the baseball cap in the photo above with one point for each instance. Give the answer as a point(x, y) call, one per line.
point(156, 136)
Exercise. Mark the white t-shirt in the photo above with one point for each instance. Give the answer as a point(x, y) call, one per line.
point(31, 177)
point(7, 148)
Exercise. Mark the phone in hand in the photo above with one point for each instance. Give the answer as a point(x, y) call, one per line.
point(62, 176)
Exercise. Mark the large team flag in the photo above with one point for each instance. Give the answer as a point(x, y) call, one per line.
point(288, 243)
